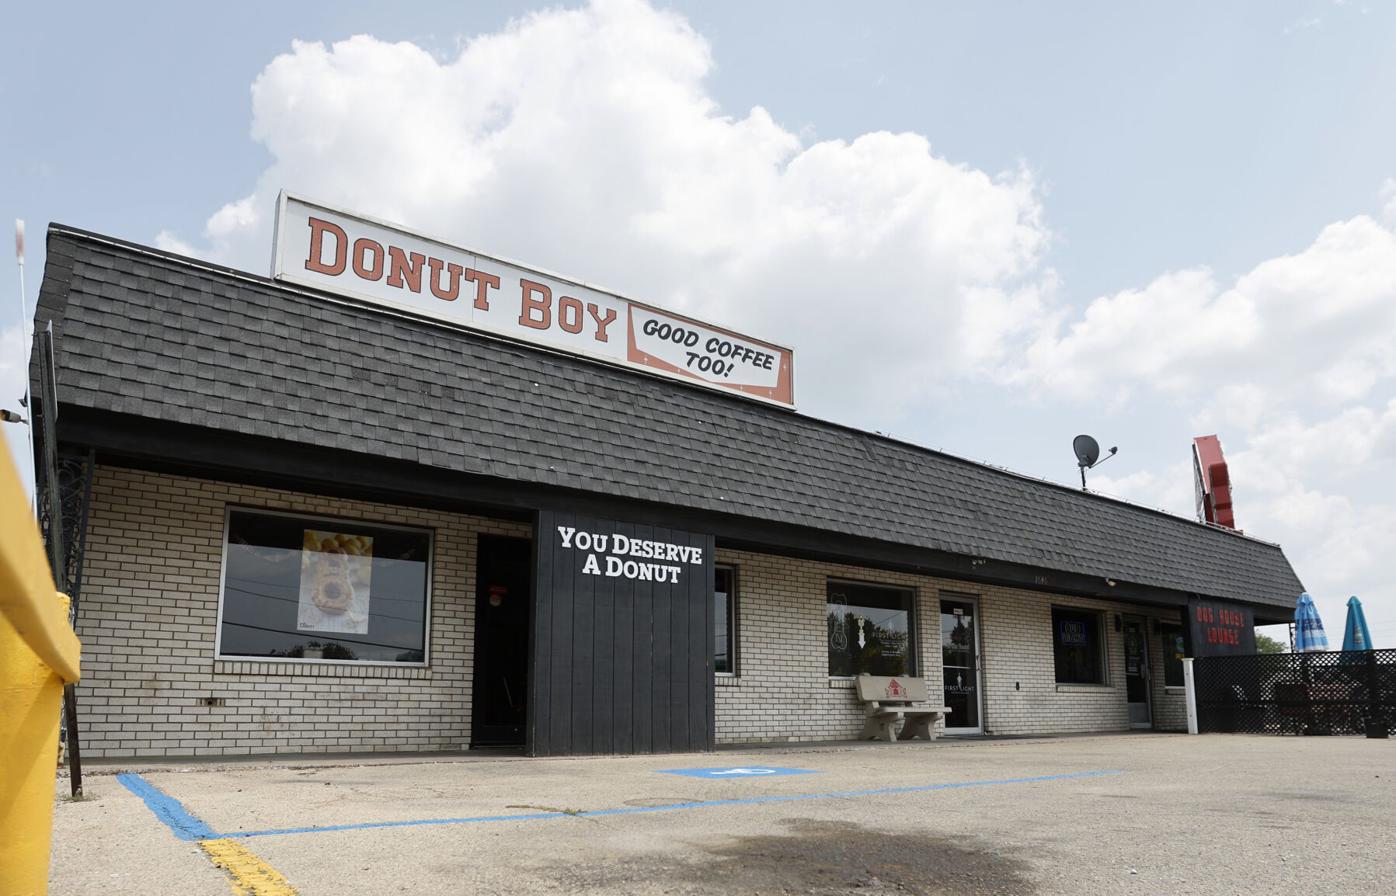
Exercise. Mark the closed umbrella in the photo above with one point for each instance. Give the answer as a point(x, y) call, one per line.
point(1308, 628)
point(1355, 634)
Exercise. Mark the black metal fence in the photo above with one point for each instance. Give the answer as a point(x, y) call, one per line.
point(1334, 692)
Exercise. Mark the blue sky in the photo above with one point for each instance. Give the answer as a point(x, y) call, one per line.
point(1143, 224)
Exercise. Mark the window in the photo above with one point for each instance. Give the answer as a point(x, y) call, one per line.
point(1078, 646)
point(725, 621)
point(310, 588)
point(869, 630)
point(1173, 653)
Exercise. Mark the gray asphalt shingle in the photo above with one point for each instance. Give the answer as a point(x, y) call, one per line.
point(158, 336)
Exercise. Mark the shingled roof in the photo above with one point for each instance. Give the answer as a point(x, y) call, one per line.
point(159, 336)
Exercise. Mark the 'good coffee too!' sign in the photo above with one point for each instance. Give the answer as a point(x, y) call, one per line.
point(327, 249)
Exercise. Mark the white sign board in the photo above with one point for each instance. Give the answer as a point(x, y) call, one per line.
point(332, 250)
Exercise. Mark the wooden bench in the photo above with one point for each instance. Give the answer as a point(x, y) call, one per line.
point(890, 700)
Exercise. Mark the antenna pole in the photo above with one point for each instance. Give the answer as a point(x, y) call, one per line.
point(1083, 479)
point(25, 342)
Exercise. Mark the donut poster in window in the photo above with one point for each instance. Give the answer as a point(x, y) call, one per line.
point(336, 573)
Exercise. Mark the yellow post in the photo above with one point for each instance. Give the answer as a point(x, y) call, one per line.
point(38, 654)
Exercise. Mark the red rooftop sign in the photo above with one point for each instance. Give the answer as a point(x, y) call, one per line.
point(332, 250)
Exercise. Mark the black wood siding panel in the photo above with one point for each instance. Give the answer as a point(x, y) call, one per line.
point(619, 665)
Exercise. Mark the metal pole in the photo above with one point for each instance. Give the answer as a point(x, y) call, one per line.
point(48, 397)
point(26, 342)
point(1191, 688)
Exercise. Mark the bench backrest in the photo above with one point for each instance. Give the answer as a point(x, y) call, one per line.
point(898, 689)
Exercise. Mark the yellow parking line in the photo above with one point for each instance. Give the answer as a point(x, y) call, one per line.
point(250, 875)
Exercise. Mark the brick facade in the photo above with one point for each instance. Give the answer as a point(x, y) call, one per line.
point(783, 691)
point(148, 616)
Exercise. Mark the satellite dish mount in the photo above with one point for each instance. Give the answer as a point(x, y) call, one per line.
point(1088, 455)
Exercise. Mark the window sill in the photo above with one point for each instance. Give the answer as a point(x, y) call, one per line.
point(726, 680)
point(320, 670)
point(837, 682)
point(1175, 690)
point(1084, 688)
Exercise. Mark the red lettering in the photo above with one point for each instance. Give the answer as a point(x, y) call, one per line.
point(569, 314)
point(405, 269)
point(363, 246)
point(483, 284)
point(602, 321)
point(543, 306)
point(318, 229)
point(451, 290)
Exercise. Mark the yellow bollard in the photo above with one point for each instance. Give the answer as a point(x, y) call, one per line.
point(38, 654)
point(31, 695)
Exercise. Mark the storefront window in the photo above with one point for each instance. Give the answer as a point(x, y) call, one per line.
point(1078, 646)
point(1173, 653)
point(869, 630)
point(725, 621)
point(310, 588)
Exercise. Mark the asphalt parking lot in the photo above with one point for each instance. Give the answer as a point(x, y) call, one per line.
point(1145, 813)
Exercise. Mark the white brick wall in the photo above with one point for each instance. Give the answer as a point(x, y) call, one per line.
point(148, 613)
point(147, 620)
point(784, 693)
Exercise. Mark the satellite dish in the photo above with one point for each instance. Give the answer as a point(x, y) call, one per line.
point(1088, 455)
point(1087, 451)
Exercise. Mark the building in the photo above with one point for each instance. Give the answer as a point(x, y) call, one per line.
point(318, 523)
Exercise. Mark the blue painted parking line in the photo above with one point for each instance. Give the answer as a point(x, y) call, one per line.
point(678, 807)
point(166, 808)
point(739, 771)
point(188, 827)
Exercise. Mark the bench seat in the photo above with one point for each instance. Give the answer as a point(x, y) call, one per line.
point(891, 700)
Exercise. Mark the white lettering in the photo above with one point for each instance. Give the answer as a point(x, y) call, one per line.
point(566, 533)
point(613, 566)
point(591, 567)
point(584, 541)
point(696, 558)
point(622, 544)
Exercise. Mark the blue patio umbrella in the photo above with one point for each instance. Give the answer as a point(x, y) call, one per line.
point(1355, 633)
point(1308, 628)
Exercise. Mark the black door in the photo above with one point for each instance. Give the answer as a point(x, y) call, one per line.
point(1137, 674)
point(501, 641)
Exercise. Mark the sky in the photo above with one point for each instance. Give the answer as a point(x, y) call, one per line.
point(984, 228)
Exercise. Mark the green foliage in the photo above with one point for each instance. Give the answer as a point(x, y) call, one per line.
point(1267, 644)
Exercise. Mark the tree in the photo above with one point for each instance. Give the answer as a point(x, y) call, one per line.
point(1267, 644)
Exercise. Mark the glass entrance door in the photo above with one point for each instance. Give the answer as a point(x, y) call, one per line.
point(1137, 674)
point(959, 651)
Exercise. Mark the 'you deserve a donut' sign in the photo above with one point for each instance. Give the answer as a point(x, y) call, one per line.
point(329, 249)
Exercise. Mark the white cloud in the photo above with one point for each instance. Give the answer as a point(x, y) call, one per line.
point(1316, 325)
point(1294, 365)
point(585, 141)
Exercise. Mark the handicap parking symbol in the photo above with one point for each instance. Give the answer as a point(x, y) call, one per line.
point(737, 771)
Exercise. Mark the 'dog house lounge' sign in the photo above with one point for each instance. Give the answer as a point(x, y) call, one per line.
point(321, 247)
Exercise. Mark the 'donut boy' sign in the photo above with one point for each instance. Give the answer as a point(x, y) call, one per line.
point(328, 249)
